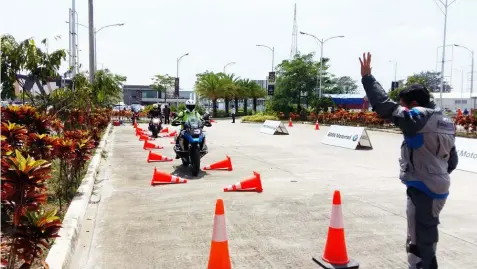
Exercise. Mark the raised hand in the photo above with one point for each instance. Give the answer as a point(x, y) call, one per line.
point(365, 64)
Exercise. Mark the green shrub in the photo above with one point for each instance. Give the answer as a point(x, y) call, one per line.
point(259, 117)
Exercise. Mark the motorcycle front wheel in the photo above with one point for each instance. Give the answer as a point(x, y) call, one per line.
point(195, 161)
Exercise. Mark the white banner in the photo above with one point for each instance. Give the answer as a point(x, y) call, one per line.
point(347, 137)
point(273, 127)
point(467, 152)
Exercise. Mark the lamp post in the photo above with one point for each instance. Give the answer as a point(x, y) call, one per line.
point(395, 70)
point(225, 66)
point(321, 42)
point(272, 49)
point(177, 76)
point(95, 34)
point(446, 5)
point(472, 67)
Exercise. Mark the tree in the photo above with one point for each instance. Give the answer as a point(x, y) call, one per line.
point(230, 84)
point(431, 80)
point(162, 83)
point(26, 59)
point(296, 82)
point(107, 88)
point(343, 85)
point(250, 89)
point(210, 85)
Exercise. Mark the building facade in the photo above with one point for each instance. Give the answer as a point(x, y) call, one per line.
point(456, 100)
point(145, 95)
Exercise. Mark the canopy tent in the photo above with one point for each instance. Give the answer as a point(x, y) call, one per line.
point(351, 101)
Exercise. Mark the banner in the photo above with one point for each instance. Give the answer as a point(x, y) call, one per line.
point(273, 127)
point(467, 152)
point(347, 137)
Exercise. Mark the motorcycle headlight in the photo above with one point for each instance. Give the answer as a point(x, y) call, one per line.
point(156, 121)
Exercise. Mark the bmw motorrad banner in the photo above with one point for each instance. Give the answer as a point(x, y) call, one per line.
point(347, 137)
point(467, 152)
point(273, 127)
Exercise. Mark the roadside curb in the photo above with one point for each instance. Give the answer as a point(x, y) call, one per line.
point(63, 249)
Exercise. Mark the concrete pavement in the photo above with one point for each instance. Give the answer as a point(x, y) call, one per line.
point(138, 226)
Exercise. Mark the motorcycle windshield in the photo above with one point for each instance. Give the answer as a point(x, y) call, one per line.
point(193, 122)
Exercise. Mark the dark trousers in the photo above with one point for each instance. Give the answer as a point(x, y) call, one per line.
point(166, 119)
point(422, 221)
point(233, 117)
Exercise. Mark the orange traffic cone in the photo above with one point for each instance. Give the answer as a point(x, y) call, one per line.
point(317, 125)
point(160, 177)
point(290, 123)
point(165, 130)
point(219, 257)
point(211, 121)
point(148, 145)
point(171, 134)
point(135, 125)
point(156, 157)
point(335, 254)
point(139, 131)
point(221, 165)
point(144, 137)
point(249, 184)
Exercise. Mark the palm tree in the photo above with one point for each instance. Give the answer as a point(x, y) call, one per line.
point(254, 91)
point(230, 82)
point(212, 86)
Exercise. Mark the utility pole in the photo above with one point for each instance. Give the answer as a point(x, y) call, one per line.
point(91, 40)
point(73, 38)
point(446, 6)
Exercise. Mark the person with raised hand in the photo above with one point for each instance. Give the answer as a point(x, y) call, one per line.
point(428, 156)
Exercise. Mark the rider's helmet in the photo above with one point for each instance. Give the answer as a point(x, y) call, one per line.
point(190, 105)
point(155, 106)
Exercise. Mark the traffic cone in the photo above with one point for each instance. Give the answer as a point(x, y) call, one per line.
point(139, 131)
point(156, 157)
point(212, 121)
point(335, 254)
point(143, 137)
point(219, 257)
point(221, 165)
point(165, 130)
point(317, 125)
point(148, 145)
point(249, 184)
point(135, 125)
point(290, 123)
point(171, 134)
point(161, 178)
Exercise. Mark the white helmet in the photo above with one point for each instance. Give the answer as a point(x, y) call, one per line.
point(190, 105)
point(155, 106)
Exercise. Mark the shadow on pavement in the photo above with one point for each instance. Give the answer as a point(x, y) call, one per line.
point(184, 172)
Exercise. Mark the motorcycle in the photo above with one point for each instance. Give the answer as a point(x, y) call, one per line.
point(192, 146)
point(155, 126)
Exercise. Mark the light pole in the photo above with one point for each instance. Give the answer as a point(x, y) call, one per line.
point(272, 49)
point(177, 76)
point(225, 66)
point(321, 42)
point(395, 70)
point(446, 6)
point(471, 69)
point(95, 33)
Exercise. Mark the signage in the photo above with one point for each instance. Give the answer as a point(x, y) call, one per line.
point(271, 78)
point(273, 127)
point(271, 89)
point(176, 87)
point(347, 137)
point(467, 153)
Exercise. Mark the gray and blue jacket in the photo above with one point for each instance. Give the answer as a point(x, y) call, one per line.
point(428, 152)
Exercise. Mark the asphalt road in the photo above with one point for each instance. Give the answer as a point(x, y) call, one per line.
point(136, 226)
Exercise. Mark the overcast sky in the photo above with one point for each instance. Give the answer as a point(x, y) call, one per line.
point(216, 32)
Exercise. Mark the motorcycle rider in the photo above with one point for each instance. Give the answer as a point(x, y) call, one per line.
point(183, 116)
point(155, 112)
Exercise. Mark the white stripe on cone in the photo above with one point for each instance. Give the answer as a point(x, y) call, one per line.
point(219, 233)
point(336, 220)
point(234, 187)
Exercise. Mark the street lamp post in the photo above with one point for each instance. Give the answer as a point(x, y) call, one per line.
point(446, 6)
point(95, 34)
point(321, 42)
point(472, 67)
point(177, 76)
point(225, 66)
point(272, 49)
point(395, 70)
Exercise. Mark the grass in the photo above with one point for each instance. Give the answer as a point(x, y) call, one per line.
point(259, 117)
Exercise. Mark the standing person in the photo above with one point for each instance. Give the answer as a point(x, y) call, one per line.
point(428, 156)
point(233, 114)
point(167, 112)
